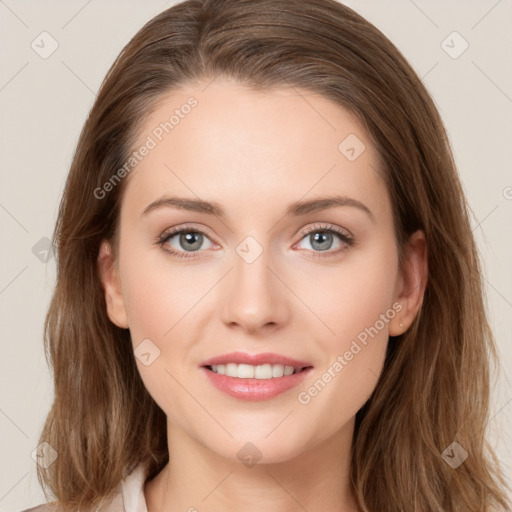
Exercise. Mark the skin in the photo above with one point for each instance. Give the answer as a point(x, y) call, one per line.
point(254, 153)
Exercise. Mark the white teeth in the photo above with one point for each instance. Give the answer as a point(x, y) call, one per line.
point(231, 370)
point(264, 371)
point(248, 371)
point(288, 370)
point(245, 371)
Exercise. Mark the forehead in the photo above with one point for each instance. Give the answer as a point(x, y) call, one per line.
point(229, 143)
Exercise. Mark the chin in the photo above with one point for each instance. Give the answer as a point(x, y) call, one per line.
point(258, 449)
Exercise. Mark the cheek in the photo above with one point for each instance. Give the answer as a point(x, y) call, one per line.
point(160, 305)
point(355, 306)
point(351, 296)
point(159, 295)
point(163, 302)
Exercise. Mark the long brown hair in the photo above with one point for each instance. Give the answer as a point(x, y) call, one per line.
point(435, 386)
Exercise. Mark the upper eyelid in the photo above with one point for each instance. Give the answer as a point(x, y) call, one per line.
point(328, 227)
point(178, 229)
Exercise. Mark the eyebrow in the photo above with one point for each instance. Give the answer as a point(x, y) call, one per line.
point(295, 209)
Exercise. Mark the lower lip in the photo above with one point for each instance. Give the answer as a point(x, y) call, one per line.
point(255, 389)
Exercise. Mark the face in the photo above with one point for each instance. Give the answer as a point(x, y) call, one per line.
point(318, 285)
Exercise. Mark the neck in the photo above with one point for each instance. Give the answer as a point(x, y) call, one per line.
point(197, 478)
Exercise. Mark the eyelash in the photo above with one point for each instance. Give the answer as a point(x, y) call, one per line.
point(167, 235)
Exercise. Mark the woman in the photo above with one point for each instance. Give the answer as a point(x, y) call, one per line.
point(323, 344)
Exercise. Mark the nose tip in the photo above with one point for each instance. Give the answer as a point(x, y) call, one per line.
point(253, 298)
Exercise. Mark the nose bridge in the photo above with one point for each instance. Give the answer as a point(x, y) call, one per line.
point(254, 295)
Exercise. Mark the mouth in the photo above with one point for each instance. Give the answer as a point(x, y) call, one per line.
point(260, 372)
point(254, 377)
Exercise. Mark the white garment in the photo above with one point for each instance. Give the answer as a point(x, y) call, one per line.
point(132, 489)
point(129, 498)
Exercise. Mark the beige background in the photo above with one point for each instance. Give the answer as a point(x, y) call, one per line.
point(44, 103)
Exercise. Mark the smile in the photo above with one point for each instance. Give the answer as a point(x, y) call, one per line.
point(249, 371)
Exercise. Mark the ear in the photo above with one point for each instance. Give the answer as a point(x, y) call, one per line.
point(109, 276)
point(411, 284)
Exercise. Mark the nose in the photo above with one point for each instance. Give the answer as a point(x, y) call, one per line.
point(253, 296)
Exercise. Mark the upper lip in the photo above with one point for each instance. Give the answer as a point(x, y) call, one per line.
point(255, 359)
